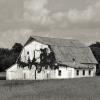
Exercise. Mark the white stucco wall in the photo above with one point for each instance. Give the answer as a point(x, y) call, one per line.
point(81, 73)
point(65, 73)
point(26, 74)
point(14, 75)
point(93, 71)
point(34, 46)
point(10, 73)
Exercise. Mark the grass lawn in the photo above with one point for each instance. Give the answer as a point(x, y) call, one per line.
point(70, 89)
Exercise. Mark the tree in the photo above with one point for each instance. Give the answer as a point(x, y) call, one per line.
point(47, 59)
point(17, 47)
point(96, 51)
point(8, 57)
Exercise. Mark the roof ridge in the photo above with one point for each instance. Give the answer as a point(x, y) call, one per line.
point(54, 37)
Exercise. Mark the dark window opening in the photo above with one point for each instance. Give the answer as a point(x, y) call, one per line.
point(59, 72)
point(28, 52)
point(77, 72)
point(83, 72)
point(89, 72)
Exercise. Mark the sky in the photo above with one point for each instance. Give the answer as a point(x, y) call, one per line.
point(72, 19)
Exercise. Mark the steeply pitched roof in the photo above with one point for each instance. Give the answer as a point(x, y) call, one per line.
point(67, 49)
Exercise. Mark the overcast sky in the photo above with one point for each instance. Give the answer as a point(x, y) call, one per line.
point(78, 19)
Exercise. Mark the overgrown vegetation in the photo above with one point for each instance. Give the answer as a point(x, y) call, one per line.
point(8, 56)
point(46, 59)
point(96, 51)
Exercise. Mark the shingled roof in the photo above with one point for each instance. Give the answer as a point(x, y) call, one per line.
point(67, 49)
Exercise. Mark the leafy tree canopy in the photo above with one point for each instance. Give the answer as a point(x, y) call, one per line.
point(9, 56)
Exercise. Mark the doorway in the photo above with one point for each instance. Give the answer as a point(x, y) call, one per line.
point(24, 76)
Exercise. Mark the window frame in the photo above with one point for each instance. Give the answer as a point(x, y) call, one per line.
point(83, 72)
point(77, 72)
point(89, 72)
point(27, 52)
point(59, 72)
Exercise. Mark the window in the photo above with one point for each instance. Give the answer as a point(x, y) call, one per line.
point(28, 52)
point(77, 72)
point(59, 72)
point(83, 72)
point(89, 72)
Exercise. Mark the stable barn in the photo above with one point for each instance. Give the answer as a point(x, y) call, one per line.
point(72, 60)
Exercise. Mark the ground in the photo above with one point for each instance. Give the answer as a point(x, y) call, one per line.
point(70, 89)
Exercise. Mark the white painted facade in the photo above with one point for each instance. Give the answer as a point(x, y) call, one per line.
point(81, 73)
point(72, 73)
point(13, 73)
point(30, 48)
point(16, 73)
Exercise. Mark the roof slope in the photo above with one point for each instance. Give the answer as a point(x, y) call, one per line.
point(67, 49)
point(77, 65)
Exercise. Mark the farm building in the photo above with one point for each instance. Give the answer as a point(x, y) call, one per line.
point(53, 58)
